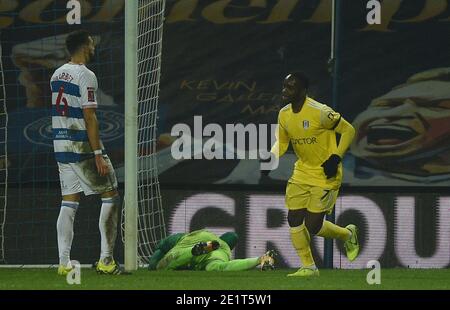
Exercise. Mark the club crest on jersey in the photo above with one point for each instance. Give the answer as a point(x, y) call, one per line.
point(305, 124)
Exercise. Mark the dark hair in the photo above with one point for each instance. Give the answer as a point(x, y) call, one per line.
point(301, 77)
point(75, 40)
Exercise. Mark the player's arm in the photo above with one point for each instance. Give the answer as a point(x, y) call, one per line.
point(93, 133)
point(278, 149)
point(347, 132)
point(282, 140)
point(334, 121)
point(88, 88)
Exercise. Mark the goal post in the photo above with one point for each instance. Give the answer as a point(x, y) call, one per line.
point(143, 216)
point(130, 179)
point(3, 158)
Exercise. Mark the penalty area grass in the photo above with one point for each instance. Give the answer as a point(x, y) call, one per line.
point(391, 279)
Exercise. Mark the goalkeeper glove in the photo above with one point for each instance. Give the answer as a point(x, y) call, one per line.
point(330, 166)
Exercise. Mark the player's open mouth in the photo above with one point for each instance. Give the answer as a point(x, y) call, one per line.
point(389, 135)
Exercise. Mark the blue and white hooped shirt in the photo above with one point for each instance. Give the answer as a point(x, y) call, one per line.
point(74, 88)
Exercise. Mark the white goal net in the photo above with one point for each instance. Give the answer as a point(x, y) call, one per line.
point(150, 227)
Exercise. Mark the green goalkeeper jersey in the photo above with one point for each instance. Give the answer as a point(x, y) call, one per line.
point(223, 253)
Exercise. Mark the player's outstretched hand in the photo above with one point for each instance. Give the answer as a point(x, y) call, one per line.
point(267, 261)
point(102, 165)
point(330, 166)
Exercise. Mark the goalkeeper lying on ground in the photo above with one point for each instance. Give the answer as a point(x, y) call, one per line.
point(203, 250)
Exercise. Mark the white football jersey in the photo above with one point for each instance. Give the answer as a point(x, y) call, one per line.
point(73, 88)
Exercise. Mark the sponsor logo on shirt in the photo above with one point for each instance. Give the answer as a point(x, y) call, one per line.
point(303, 141)
point(111, 128)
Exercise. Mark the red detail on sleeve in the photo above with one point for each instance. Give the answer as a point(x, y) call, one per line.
point(91, 96)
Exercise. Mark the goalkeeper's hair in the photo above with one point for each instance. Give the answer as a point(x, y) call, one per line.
point(76, 40)
point(301, 77)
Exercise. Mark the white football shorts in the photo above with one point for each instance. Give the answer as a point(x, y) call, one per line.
point(83, 177)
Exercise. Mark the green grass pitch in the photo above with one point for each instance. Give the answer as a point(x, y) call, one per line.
point(47, 279)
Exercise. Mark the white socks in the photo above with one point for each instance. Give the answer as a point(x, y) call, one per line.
point(108, 221)
point(107, 224)
point(64, 227)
